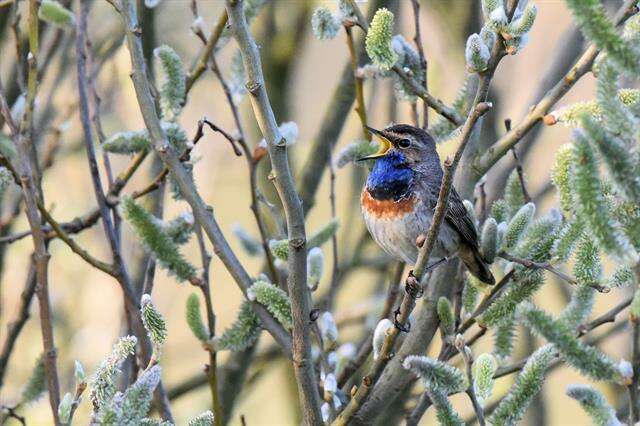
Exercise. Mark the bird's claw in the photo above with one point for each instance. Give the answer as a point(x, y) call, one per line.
point(413, 287)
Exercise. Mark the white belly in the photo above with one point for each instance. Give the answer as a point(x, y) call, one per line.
point(397, 235)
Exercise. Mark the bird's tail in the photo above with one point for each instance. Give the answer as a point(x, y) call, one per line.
point(476, 264)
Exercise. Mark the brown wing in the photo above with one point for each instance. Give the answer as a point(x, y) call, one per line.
point(458, 218)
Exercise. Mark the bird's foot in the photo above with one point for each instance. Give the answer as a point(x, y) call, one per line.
point(413, 287)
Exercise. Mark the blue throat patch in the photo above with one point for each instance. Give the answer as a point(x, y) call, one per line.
point(390, 178)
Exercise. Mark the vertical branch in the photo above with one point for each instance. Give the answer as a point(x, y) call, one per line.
point(415, 4)
point(634, 397)
point(32, 193)
point(297, 279)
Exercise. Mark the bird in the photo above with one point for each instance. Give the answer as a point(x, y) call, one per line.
point(399, 199)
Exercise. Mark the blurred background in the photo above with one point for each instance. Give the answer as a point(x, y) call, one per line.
point(301, 74)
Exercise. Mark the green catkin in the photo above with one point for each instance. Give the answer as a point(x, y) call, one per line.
point(592, 205)
point(128, 142)
point(476, 53)
point(513, 195)
point(323, 234)
point(526, 283)
point(489, 240)
point(586, 359)
point(579, 307)
point(522, 24)
point(445, 414)
point(561, 178)
point(504, 334)
point(572, 114)
point(446, 317)
point(102, 383)
point(594, 23)
point(587, 267)
point(181, 228)
point(136, 400)
point(194, 318)
point(153, 322)
point(280, 248)
point(157, 240)
point(172, 93)
point(540, 237)
point(500, 211)
point(529, 382)
point(315, 267)
point(596, 406)
point(518, 225)
point(243, 333)
point(64, 408)
point(435, 374)
point(36, 385)
point(54, 13)
point(615, 154)
point(568, 238)
point(131, 142)
point(250, 245)
point(628, 214)
point(617, 119)
point(622, 277)
point(354, 151)
point(274, 299)
point(325, 26)
point(378, 40)
point(470, 294)
point(204, 419)
point(483, 369)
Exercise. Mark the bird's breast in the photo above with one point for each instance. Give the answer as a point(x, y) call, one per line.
point(387, 208)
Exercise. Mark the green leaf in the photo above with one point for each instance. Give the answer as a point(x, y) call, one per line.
point(172, 93)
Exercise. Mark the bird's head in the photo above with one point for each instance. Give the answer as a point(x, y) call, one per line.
point(411, 143)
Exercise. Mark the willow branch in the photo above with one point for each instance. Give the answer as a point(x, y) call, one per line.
point(283, 180)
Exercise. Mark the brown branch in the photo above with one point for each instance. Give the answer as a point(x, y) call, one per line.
point(417, 39)
point(206, 53)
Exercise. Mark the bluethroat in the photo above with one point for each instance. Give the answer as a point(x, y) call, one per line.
point(400, 196)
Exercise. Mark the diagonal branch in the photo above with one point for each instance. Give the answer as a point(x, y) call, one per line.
point(202, 212)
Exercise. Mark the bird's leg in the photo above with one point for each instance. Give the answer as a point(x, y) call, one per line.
point(435, 264)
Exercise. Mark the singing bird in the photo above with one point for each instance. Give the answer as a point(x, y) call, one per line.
point(400, 196)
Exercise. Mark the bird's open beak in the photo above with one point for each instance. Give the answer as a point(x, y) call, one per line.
point(385, 145)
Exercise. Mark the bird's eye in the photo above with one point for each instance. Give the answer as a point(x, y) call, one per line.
point(404, 143)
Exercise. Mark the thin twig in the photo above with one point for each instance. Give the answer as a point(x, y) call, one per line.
point(417, 39)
